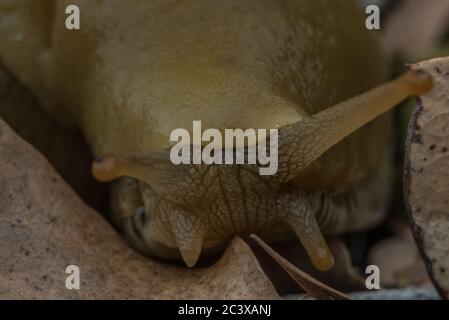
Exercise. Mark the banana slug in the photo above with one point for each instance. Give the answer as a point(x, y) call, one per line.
point(136, 70)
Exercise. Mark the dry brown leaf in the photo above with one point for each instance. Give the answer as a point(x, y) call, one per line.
point(426, 179)
point(343, 276)
point(310, 285)
point(44, 227)
point(65, 149)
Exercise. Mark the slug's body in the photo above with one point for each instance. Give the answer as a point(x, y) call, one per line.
point(137, 70)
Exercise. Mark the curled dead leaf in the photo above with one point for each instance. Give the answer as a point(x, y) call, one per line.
point(64, 148)
point(313, 288)
point(426, 177)
point(343, 276)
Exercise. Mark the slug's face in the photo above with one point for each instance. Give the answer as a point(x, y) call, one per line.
point(137, 70)
point(189, 207)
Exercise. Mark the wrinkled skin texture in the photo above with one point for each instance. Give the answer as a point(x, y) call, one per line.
point(139, 69)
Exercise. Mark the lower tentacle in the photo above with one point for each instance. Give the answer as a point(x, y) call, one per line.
point(312, 214)
point(298, 215)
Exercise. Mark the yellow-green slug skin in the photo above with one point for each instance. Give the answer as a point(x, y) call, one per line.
point(137, 70)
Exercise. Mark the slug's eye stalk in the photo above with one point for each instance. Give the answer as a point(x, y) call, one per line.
point(305, 141)
point(418, 81)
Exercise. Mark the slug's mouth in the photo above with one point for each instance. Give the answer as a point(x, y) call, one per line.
point(157, 228)
point(144, 219)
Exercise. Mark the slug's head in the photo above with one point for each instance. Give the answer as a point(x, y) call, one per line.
point(194, 206)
